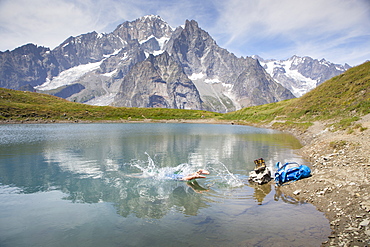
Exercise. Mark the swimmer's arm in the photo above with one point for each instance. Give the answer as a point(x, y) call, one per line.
point(191, 177)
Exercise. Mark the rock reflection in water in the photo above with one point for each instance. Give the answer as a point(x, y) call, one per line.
point(287, 199)
point(260, 191)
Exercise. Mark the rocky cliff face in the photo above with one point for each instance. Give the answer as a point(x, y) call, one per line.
point(144, 63)
point(254, 83)
point(85, 48)
point(27, 66)
point(159, 81)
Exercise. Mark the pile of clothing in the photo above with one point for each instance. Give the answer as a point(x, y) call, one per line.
point(291, 171)
point(261, 174)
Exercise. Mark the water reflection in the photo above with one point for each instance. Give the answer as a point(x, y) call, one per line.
point(260, 191)
point(285, 198)
point(89, 162)
point(151, 200)
point(196, 187)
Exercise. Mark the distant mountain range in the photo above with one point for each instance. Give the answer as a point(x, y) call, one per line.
point(301, 74)
point(147, 63)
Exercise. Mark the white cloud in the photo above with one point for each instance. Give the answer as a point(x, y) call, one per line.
point(48, 23)
point(39, 20)
point(302, 26)
point(291, 17)
point(337, 30)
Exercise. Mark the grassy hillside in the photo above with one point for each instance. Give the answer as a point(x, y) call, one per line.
point(19, 105)
point(343, 98)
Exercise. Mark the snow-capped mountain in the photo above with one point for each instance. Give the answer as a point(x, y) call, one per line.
point(301, 74)
point(143, 63)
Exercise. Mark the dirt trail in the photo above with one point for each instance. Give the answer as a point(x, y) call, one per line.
point(340, 181)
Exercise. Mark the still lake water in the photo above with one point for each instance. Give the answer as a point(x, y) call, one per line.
point(108, 185)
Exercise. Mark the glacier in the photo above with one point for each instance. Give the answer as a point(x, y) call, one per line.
point(69, 76)
point(301, 74)
point(305, 83)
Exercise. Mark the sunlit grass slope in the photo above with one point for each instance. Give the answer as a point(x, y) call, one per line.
point(343, 98)
point(19, 105)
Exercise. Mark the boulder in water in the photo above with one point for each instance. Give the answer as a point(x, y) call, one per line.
point(262, 175)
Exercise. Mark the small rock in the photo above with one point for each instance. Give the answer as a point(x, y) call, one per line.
point(297, 192)
point(365, 223)
point(351, 229)
point(321, 192)
point(366, 206)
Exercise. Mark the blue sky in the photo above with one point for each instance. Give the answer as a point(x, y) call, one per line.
point(337, 30)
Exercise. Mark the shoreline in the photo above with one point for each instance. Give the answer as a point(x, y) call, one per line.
point(45, 121)
point(340, 182)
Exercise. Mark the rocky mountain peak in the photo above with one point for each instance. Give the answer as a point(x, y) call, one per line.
point(189, 45)
point(30, 48)
point(195, 34)
point(143, 28)
point(150, 18)
point(191, 26)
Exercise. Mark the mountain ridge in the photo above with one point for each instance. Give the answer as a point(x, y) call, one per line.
point(92, 66)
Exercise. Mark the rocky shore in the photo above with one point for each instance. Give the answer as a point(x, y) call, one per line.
point(340, 181)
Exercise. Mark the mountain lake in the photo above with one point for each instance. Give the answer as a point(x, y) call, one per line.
point(110, 185)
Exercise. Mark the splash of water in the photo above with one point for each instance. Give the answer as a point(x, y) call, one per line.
point(150, 170)
point(225, 176)
point(220, 174)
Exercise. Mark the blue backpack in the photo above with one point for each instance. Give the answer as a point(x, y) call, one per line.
point(291, 171)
